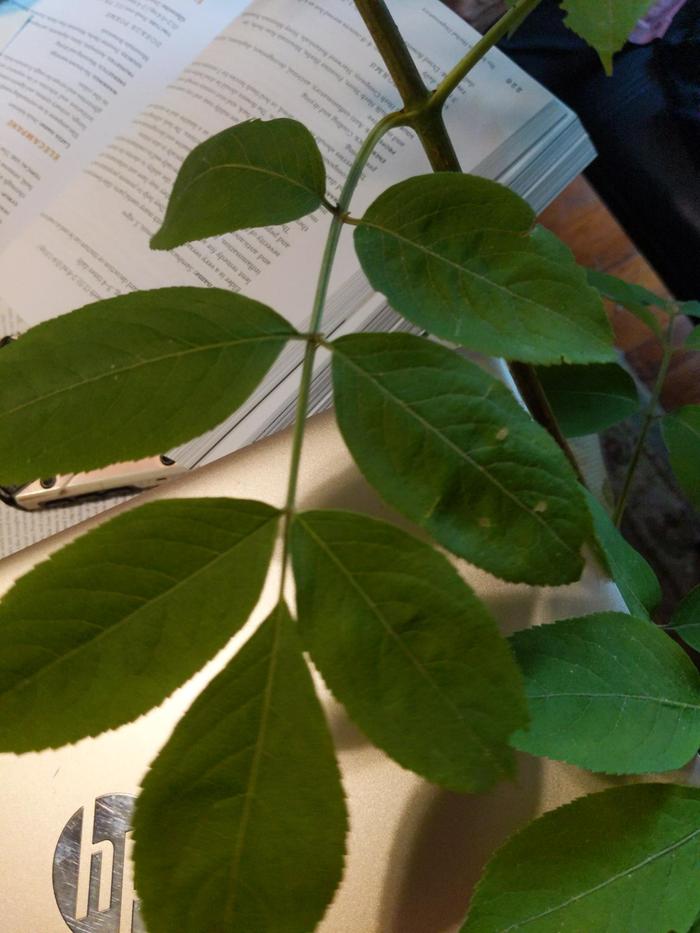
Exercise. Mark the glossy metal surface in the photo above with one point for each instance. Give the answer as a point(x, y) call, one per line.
point(415, 851)
point(92, 879)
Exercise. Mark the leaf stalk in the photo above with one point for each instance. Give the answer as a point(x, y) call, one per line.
point(427, 124)
point(389, 122)
point(505, 25)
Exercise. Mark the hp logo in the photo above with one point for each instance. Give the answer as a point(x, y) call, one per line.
point(92, 877)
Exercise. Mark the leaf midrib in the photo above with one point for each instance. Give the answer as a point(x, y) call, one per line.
point(150, 361)
point(679, 420)
point(236, 166)
point(125, 620)
point(512, 295)
point(463, 455)
point(253, 773)
point(593, 393)
point(680, 627)
point(603, 884)
point(662, 701)
point(374, 609)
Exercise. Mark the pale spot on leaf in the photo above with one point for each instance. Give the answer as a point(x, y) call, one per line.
point(502, 434)
point(485, 522)
point(541, 506)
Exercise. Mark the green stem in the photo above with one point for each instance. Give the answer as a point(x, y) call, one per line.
point(427, 124)
point(394, 51)
point(649, 417)
point(508, 22)
point(530, 388)
point(354, 175)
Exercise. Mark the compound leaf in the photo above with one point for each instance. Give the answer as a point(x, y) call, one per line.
point(604, 24)
point(242, 818)
point(681, 431)
point(686, 619)
point(113, 623)
point(623, 859)
point(453, 253)
point(633, 576)
point(449, 446)
point(250, 175)
point(130, 377)
point(587, 399)
point(608, 692)
point(407, 648)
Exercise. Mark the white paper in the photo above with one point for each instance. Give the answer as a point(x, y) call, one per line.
point(74, 73)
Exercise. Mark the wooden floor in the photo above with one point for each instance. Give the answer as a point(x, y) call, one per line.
point(597, 240)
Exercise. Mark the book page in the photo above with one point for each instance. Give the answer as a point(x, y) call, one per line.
point(314, 61)
point(73, 73)
point(307, 59)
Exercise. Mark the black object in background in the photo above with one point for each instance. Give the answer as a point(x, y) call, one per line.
point(645, 123)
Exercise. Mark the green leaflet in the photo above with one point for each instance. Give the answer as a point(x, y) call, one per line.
point(608, 692)
point(634, 577)
point(681, 431)
point(405, 645)
point(241, 819)
point(113, 623)
point(686, 619)
point(693, 340)
point(635, 298)
point(453, 254)
point(250, 175)
point(587, 399)
point(449, 446)
point(625, 859)
point(638, 300)
point(130, 377)
point(605, 24)
point(550, 246)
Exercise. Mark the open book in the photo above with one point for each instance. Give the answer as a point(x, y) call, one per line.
point(101, 101)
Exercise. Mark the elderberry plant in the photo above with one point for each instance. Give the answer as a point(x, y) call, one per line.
point(242, 819)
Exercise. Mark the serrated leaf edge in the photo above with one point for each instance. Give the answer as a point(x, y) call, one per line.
point(117, 629)
point(484, 279)
point(415, 661)
point(145, 363)
point(462, 454)
point(548, 816)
